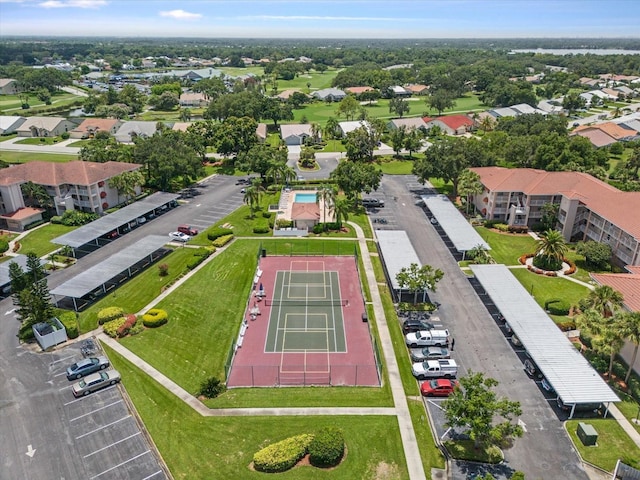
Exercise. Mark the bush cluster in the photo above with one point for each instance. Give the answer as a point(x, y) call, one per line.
point(323, 227)
point(25, 333)
point(136, 329)
point(211, 387)
point(261, 228)
point(546, 263)
point(284, 223)
point(125, 328)
point(155, 318)
point(31, 225)
point(218, 232)
point(70, 322)
point(566, 326)
point(267, 214)
point(327, 447)
point(4, 245)
point(75, 218)
point(111, 327)
point(199, 256)
point(283, 455)
point(109, 313)
point(222, 241)
point(518, 229)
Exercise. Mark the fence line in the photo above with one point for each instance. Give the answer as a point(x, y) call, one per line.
point(303, 375)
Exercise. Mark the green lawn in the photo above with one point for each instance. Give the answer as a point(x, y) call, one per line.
point(550, 288)
point(288, 246)
point(317, 80)
point(429, 453)
point(629, 408)
point(39, 141)
point(395, 167)
point(4, 138)
point(79, 143)
point(39, 241)
point(11, 104)
point(506, 248)
point(24, 157)
point(613, 443)
point(140, 290)
point(211, 448)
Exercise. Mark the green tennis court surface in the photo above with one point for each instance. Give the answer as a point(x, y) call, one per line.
point(306, 312)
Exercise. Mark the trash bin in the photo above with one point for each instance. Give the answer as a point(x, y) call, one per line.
point(365, 318)
point(264, 252)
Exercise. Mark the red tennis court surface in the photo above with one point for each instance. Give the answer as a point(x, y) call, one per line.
point(253, 366)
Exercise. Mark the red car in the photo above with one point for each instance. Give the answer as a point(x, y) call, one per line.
point(187, 230)
point(439, 387)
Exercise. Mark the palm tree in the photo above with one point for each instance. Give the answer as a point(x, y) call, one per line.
point(608, 333)
point(275, 173)
point(631, 330)
point(487, 123)
point(550, 251)
point(341, 210)
point(327, 194)
point(469, 184)
point(252, 196)
point(605, 300)
point(288, 174)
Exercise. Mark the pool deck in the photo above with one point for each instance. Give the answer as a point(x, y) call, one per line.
point(287, 200)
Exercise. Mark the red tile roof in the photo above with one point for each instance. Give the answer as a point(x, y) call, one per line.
point(619, 208)
point(22, 213)
point(597, 137)
point(628, 284)
point(305, 211)
point(97, 124)
point(74, 173)
point(358, 90)
point(456, 121)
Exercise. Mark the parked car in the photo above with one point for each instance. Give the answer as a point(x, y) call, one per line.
point(427, 338)
point(438, 387)
point(547, 386)
point(188, 230)
point(179, 237)
point(372, 202)
point(429, 353)
point(409, 326)
point(95, 381)
point(86, 366)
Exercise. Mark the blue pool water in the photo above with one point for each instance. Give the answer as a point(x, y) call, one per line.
point(305, 198)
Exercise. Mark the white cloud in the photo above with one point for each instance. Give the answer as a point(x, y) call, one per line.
point(181, 15)
point(73, 4)
point(328, 18)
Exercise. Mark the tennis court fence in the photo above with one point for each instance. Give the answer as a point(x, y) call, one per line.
point(304, 375)
point(302, 303)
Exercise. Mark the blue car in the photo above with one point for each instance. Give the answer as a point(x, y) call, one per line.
point(87, 366)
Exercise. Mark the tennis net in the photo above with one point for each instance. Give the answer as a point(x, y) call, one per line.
point(302, 303)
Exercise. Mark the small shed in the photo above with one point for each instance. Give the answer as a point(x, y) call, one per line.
point(50, 334)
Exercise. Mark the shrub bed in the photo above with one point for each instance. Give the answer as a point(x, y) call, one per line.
point(125, 328)
point(155, 318)
point(111, 328)
point(222, 241)
point(70, 322)
point(283, 455)
point(327, 448)
point(261, 228)
point(199, 256)
point(110, 313)
point(218, 232)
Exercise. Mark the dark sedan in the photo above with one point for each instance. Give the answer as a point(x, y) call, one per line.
point(86, 366)
point(410, 326)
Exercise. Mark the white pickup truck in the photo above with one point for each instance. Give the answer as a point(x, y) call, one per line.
point(428, 338)
point(435, 369)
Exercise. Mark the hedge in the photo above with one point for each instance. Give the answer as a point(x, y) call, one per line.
point(130, 321)
point(218, 232)
point(199, 256)
point(70, 322)
point(283, 455)
point(108, 314)
point(327, 447)
point(261, 228)
point(111, 328)
point(222, 241)
point(155, 318)
point(4, 245)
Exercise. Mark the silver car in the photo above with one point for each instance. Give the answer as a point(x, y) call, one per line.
point(179, 237)
point(95, 382)
point(429, 353)
point(87, 366)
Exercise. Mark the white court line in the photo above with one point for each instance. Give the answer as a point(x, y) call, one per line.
point(96, 410)
point(113, 444)
point(121, 464)
point(100, 428)
point(152, 475)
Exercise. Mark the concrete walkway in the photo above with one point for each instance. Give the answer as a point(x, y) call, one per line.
point(625, 424)
point(407, 434)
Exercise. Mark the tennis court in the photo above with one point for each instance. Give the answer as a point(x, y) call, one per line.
point(304, 326)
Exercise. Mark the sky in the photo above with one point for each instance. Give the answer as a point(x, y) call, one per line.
point(322, 19)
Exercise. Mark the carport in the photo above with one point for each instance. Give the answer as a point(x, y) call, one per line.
point(397, 253)
point(95, 282)
point(459, 231)
point(569, 373)
point(94, 235)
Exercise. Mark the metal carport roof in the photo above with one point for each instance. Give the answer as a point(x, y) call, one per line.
point(89, 280)
point(568, 372)
point(463, 236)
point(108, 223)
point(397, 251)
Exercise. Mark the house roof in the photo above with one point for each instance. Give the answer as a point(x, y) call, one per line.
point(619, 208)
point(359, 90)
point(614, 130)
point(335, 92)
point(22, 213)
point(7, 121)
point(261, 131)
point(596, 136)
point(456, 121)
point(350, 126)
point(192, 96)
point(409, 123)
point(504, 112)
point(285, 94)
point(397, 89)
point(93, 124)
point(295, 129)
point(305, 211)
point(75, 173)
point(139, 127)
point(6, 81)
point(611, 91)
point(628, 284)
point(181, 126)
point(416, 88)
point(46, 123)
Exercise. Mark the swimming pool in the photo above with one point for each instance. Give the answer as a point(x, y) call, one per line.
point(305, 198)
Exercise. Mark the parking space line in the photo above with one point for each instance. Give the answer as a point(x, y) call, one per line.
point(100, 428)
point(64, 388)
point(120, 464)
point(59, 374)
point(112, 444)
point(81, 398)
point(152, 475)
point(61, 360)
point(96, 410)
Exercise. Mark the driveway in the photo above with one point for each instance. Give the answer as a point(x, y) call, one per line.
point(545, 450)
point(12, 146)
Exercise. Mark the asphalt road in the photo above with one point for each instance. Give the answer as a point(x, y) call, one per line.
point(545, 451)
point(93, 437)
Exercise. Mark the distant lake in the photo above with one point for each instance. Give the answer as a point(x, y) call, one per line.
point(577, 51)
